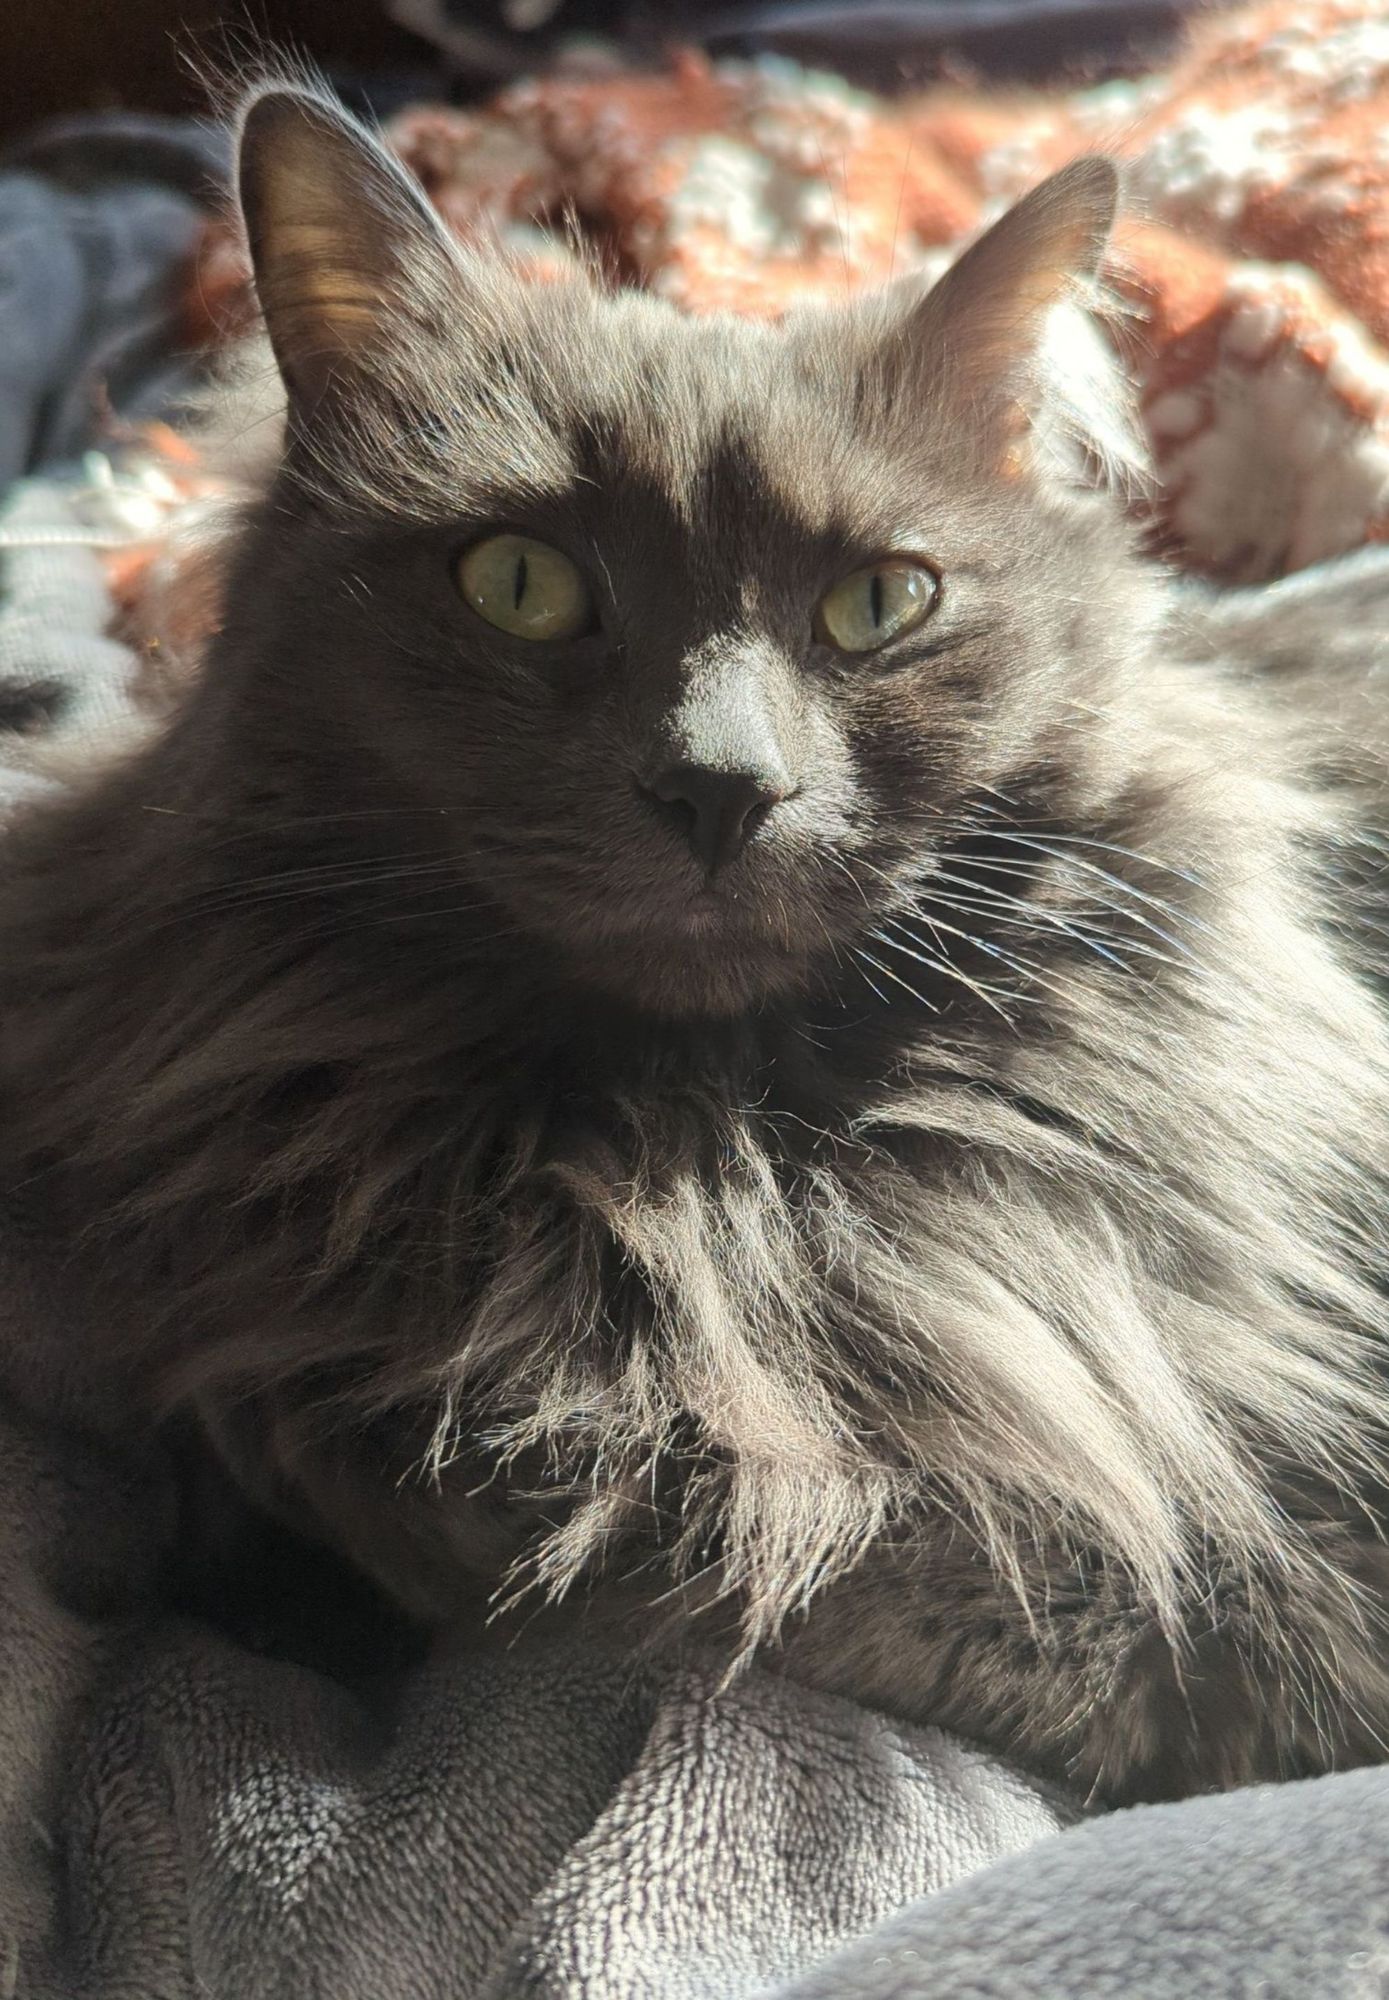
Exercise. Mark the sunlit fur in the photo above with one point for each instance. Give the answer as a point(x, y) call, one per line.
point(947, 1256)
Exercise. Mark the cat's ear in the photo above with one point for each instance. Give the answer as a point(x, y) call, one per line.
point(348, 256)
point(990, 303)
point(980, 330)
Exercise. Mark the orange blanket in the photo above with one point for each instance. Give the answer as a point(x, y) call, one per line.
point(1256, 259)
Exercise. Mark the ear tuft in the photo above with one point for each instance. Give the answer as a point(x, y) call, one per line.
point(344, 245)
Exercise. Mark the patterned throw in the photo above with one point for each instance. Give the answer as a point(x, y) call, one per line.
point(1256, 275)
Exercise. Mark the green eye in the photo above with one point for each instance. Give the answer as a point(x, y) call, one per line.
point(525, 588)
point(876, 604)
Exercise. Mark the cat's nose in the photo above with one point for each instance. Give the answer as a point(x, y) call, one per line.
point(718, 811)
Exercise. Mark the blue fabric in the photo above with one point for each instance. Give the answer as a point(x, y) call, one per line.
point(98, 218)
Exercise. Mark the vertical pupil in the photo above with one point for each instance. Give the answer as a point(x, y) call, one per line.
point(875, 598)
point(520, 583)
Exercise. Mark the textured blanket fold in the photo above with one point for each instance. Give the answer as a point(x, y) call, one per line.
point(182, 1814)
point(184, 1817)
point(194, 1808)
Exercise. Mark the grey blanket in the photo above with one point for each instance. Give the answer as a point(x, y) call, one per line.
point(187, 1811)
point(180, 1817)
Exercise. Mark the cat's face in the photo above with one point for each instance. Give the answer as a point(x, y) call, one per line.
point(698, 633)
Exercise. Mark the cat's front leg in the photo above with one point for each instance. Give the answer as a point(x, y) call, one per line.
point(1078, 1680)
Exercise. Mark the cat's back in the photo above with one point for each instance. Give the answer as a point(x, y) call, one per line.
point(1313, 648)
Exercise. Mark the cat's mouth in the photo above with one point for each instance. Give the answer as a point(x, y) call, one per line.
point(713, 912)
point(678, 942)
point(712, 951)
point(706, 914)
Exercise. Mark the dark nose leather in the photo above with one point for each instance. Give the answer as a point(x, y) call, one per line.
point(717, 811)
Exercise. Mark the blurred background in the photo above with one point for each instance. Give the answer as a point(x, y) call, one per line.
point(88, 55)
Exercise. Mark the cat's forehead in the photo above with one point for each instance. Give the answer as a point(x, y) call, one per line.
point(711, 416)
point(733, 444)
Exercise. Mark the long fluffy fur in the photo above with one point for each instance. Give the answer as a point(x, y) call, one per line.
point(989, 1315)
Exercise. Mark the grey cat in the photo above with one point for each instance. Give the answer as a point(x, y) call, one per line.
point(724, 1011)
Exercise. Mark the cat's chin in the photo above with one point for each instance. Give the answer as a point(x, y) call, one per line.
point(683, 953)
point(686, 991)
point(698, 972)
